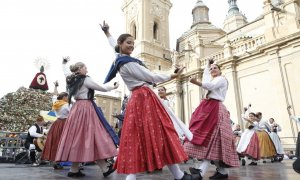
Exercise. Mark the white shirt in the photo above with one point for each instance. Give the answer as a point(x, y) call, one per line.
point(217, 86)
point(263, 125)
point(66, 70)
point(112, 42)
point(88, 83)
point(135, 75)
point(278, 128)
point(63, 111)
point(33, 133)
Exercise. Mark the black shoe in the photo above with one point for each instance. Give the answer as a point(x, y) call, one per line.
point(253, 164)
point(243, 162)
point(218, 175)
point(187, 176)
point(78, 174)
point(109, 171)
point(194, 170)
point(58, 167)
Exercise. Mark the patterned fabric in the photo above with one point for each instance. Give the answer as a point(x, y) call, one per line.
point(52, 140)
point(221, 145)
point(39, 82)
point(266, 146)
point(84, 139)
point(252, 148)
point(206, 112)
point(149, 140)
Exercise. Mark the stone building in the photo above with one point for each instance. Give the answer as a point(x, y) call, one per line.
point(259, 58)
point(110, 105)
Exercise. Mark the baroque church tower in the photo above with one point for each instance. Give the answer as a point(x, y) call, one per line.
point(148, 22)
point(234, 19)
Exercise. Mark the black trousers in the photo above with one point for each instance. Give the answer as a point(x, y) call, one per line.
point(32, 156)
point(298, 146)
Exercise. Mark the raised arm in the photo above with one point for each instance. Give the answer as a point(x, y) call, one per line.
point(55, 91)
point(89, 83)
point(65, 68)
point(144, 74)
point(105, 28)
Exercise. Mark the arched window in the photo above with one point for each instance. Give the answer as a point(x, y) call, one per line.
point(155, 31)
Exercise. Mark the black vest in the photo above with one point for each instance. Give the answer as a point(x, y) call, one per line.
point(38, 130)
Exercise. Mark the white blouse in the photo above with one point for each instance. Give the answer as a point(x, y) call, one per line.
point(88, 83)
point(63, 112)
point(135, 75)
point(217, 86)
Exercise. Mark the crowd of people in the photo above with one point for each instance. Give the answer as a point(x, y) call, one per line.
point(151, 136)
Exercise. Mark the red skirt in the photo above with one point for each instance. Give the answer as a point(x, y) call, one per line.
point(52, 140)
point(221, 145)
point(149, 140)
point(84, 138)
point(253, 148)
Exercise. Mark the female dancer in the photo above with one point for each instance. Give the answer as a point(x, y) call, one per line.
point(266, 145)
point(179, 126)
point(274, 128)
point(213, 139)
point(149, 140)
point(61, 108)
point(87, 137)
point(249, 144)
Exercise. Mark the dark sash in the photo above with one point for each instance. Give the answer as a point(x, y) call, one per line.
point(106, 125)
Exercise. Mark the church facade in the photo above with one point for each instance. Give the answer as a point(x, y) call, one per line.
point(260, 59)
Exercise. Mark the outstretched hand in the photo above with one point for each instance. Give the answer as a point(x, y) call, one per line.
point(66, 59)
point(56, 83)
point(104, 27)
point(211, 61)
point(193, 79)
point(179, 70)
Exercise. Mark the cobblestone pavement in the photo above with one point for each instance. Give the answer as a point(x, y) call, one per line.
point(267, 171)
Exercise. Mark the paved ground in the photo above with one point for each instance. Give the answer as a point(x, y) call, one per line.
point(268, 171)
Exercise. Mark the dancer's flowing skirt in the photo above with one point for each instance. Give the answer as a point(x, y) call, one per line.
point(84, 138)
point(149, 140)
point(52, 140)
point(221, 144)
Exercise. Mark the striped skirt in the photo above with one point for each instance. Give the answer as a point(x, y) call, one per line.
point(221, 146)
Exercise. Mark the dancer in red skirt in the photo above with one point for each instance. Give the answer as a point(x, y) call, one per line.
point(61, 108)
point(149, 140)
point(86, 137)
point(210, 124)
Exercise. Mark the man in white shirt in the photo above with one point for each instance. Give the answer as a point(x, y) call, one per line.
point(34, 132)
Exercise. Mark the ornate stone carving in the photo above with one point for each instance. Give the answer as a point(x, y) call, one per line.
point(132, 12)
point(156, 10)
